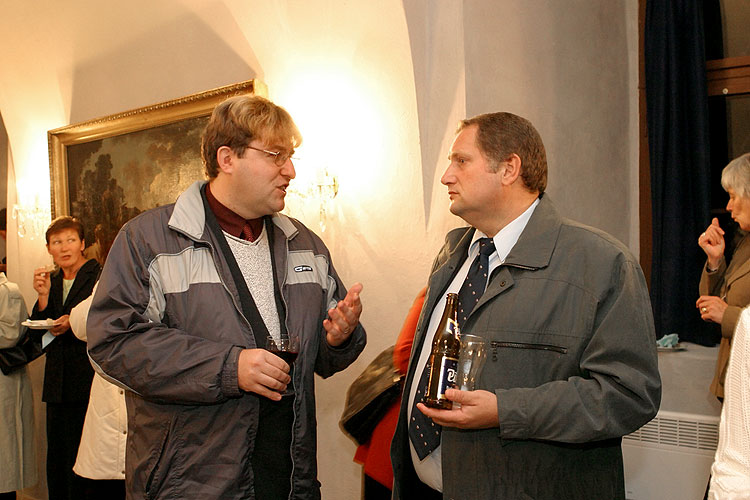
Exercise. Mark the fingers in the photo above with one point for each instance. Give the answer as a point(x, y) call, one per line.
point(353, 293)
point(344, 317)
point(477, 410)
point(706, 300)
point(263, 373)
point(41, 280)
point(61, 325)
point(711, 308)
point(713, 232)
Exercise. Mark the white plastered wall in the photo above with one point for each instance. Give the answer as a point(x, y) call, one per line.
point(376, 88)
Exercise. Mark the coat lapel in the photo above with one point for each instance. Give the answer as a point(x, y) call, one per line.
point(82, 280)
point(532, 251)
point(742, 254)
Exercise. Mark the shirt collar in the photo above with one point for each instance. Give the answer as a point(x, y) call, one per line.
point(506, 238)
point(231, 222)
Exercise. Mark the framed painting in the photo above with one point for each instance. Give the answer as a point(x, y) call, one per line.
point(108, 170)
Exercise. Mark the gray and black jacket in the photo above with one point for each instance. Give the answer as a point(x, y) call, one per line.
point(166, 323)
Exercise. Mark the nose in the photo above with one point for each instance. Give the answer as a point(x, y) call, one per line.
point(447, 177)
point(287, 170)
point(729, 205)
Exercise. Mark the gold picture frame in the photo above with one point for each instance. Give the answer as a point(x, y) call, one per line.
point(98, 163)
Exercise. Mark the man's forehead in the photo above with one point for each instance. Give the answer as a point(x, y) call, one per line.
point(465, 140)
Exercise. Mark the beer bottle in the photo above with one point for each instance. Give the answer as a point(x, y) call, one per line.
point(443, 360)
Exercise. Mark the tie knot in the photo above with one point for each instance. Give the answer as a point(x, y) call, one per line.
point(486, 246)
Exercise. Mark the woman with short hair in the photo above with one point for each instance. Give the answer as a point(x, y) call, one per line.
point(725, 287)
point(67, 373)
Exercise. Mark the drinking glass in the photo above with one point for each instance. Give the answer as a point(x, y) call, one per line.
point(287, 348)
point(471, 359)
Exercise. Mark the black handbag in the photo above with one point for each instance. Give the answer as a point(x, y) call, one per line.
point(370, 396)
point(26, 350)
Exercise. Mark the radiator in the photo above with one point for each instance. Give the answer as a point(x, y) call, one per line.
point(670, 457)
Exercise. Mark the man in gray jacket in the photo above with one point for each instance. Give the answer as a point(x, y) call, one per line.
point(572, 364)
point(187, 298)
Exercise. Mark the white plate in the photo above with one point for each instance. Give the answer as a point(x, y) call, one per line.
point(39, 324)
point(676, 347)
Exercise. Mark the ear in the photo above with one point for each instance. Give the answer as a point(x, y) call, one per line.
point(511, 169)
point(225, 158)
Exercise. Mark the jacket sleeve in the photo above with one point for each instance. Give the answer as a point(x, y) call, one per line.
point(710, 283)
point(158, 362)
point(78, 317)
point(619, 389)
point(12, 313)
point(332, 359)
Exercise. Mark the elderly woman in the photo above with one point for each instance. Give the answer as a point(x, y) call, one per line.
point(68, 373)
point(725, 289)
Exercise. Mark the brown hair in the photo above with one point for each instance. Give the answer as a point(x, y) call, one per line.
point(239, 120)
point(499, 135)
point(61, 224)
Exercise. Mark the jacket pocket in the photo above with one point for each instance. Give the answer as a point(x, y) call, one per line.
point(156, 475)
point(495, 345)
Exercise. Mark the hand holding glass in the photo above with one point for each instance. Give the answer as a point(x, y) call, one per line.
point(287, 348)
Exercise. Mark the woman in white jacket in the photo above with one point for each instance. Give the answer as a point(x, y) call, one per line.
point(101, 454)
point(730, 473)
point(17, 456)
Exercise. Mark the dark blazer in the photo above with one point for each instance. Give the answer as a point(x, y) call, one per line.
point(67, 372)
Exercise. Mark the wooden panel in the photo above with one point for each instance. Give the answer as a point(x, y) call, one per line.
point(730, 76)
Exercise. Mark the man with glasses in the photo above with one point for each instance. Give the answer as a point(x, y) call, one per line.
point(564, 309)
point(188, 296)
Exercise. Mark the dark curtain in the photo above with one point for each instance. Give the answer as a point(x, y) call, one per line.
point(677, 113)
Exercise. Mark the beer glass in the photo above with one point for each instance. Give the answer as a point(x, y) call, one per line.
point(471, 359)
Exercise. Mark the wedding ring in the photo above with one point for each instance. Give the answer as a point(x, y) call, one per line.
point(703, 309)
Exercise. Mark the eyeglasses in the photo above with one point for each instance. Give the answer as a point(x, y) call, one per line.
point(279, 158)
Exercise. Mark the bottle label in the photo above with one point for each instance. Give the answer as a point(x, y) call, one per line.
point(448, 375)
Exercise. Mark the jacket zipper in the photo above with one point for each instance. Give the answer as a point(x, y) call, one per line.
point(242, 315)
point(282, 282)
point(526, 345)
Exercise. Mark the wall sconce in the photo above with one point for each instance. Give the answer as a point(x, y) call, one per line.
point(327, 186)
point(322, 189)
point(31, 221)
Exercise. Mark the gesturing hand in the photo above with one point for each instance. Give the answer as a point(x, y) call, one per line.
point(712, 242)
point(344, 317)
point(263, 373)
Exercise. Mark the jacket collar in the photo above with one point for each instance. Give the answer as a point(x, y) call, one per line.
point(189, 218)
point(88, 273)
point(537, 242)
point(532, 250)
